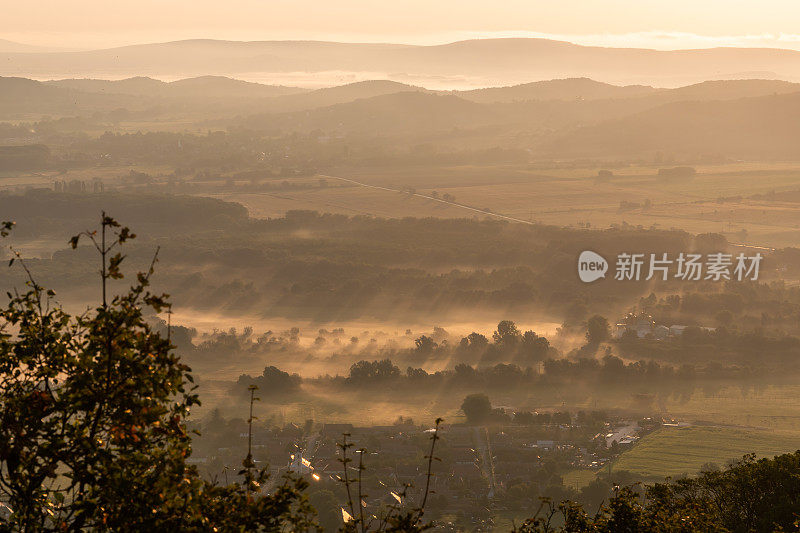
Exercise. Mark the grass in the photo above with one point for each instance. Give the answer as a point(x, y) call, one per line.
point(577, 479)
point(673, 451)
point(718, 199)
point(564, 197)
point(770, 411)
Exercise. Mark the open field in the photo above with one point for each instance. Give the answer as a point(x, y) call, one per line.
point(772, 407)
point(108, 174)
point(718, 199)
point(578, 479)
point(759, 414)
point(673, 451)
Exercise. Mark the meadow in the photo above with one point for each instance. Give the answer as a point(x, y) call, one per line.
point(737, 199)
point(732, 199)
point(674, 451)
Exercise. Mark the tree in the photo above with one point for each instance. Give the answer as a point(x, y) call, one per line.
point(474, 343)
point(597, 330)
point(93, 412)
point(425, 345)
point(534, 347)
point(506, 336)
point(272, 381)
point(604, 175)
point(749, 495)
point(373, 371)
point(464, 372)
point(327, 507)
point(477, 408)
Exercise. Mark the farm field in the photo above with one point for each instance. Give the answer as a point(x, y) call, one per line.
point(578, 479)
point(719, 199)
point(757, 416)
point(672, 451)
point(108, 174)
point(771, 407)
point(734, 199)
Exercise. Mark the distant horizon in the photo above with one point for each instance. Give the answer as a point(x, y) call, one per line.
point(169, 80)
point(491, 61)
point(648, 40)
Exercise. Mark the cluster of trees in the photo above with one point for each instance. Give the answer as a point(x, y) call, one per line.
point(42, 213)
point(749, 495)
point(753, 351)
point(508, 343)
point(220, 151)
point(382, 268)
point(478, 409)
point(605, 370)
point(772, 307)
point(385, 377)
point(527, 359)
point(352, 267)
point(272, 381)
point(24, 157)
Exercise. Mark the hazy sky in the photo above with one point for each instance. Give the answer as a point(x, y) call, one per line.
point(648, 23)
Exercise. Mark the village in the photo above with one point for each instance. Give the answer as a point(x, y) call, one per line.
point(476, 467)
point(642, 326)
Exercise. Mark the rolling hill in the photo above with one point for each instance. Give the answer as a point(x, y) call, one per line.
point(207, 95)
point(396, 113)
point(19, 96)
point(199, 87)
point(490, 62)
point(559, 118)
point(559, 89)
point(7, 46)
point(763, 127)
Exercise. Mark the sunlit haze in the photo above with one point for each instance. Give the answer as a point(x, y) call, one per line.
point(630, 23)
point(366, 266)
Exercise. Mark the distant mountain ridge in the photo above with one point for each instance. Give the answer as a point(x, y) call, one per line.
point(82, 96)
point(506, 61)
point(562, 89)
point(202, 86)
point(7, 46)
point(558, 97)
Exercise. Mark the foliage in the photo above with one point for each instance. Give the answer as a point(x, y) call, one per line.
point(476, 407)
point(395, 518)
point(272, 381)
point(93, 413)
point(597, 330)
point(375, 371)
point(750, 495)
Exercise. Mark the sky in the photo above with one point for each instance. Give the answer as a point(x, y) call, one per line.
point(672, 24)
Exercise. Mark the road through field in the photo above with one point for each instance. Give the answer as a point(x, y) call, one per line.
point(483, 211)
point(454, 204)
